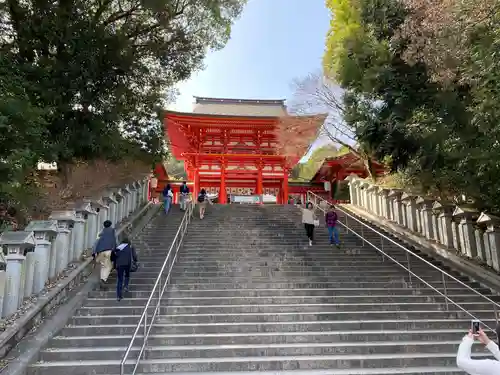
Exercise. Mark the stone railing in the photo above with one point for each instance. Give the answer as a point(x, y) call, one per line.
point(39, 254)
point(461, 229)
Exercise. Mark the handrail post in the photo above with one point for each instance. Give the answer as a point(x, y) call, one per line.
point(145, 333)
point(382, 248)
point(159, 293)
point(495, 310)
point(445, 289)
point(409, 268)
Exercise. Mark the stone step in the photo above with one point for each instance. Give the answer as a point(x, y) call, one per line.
point(283, 317)
point(118, 309)
point(282, 299)
point(344, 280)
point(258, 363)
point(174, 291)
point(195, 352)
point(259, 338)
point(248, 294)
point(342, 273)
point(276, 327)
point(266, 283)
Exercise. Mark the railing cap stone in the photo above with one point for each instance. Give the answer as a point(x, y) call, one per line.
point(424, 200)
point(85, 207)
point(394, 192)
point(63, 215)
point(407, 196)
point(48, 226)
point(488, 219)
point(466, 211)
point(19, 238)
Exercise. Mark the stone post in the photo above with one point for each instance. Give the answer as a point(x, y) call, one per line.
point(103, 213)
point(17, 243)
point(467, 217)
point(45, 232)
point(364, 195)
point(444, 212)
point(409, 202)
point(91, 224)
point(134, 200)
point(397, 205)
point(127, 201)
point(372, 199)
point(353, 194)
point(481, 249)
point(80, 230)
point(112, 203)
point(491, 237)
point(65, 222)
point(384, 202)
point(357, 190)
point(144, 195)
point(120, 210)
point(426, 213)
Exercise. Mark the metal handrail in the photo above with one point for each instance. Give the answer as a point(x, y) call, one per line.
point(408, 259)
point(146, 321)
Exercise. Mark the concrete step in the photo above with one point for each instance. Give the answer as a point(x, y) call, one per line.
point(276, 327)
point(292, 316)
point(176, 291)
point(259, 338)
point(391, 282)
point(283, 300)
point(272, 308)
point(195, 352)
point(258, 363)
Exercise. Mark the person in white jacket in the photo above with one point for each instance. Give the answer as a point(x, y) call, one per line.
point(478, 366)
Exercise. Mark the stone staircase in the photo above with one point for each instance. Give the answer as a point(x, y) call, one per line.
point(248, 294)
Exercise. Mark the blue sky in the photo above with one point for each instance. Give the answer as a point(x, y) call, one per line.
point(273, 42)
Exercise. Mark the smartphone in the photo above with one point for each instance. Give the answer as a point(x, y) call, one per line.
point(475, 327)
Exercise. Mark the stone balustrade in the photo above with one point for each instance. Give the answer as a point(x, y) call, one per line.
point(46, 248)
point(462, 228)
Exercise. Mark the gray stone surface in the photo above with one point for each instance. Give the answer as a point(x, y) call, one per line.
point(248, 295)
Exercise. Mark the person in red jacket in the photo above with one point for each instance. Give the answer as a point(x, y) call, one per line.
point(331, 223)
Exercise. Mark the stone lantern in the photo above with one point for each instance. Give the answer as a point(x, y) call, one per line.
point(17, 244)
point(64, 241)
point(45, 231)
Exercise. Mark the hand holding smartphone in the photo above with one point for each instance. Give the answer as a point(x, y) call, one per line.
point(475, 326)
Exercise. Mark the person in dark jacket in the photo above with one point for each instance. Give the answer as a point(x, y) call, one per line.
point(331, 219)
point(123, 257)
point(104, 246)
point(184, 196)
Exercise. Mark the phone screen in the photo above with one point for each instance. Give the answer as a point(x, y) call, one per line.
point(475, 327)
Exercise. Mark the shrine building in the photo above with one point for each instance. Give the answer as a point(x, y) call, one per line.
point(230, 147)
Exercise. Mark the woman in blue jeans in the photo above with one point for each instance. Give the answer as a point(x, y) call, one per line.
point(331, 223)
point(123, 257)
point(168, 195)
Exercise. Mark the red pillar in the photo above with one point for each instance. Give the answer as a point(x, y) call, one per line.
point(285, 187)
point(260, 187)
point(196, 188)
point(222, 189)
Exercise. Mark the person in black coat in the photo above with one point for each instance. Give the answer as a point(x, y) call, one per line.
point(123, 257)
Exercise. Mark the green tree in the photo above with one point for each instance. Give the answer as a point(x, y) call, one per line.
point(100, 67)
point(430, 111)
point(22, 127)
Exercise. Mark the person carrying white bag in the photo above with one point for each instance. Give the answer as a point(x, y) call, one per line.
point(310, 221)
